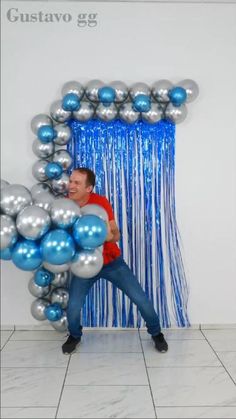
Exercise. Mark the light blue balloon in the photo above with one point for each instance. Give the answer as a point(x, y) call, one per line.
point(57, 247)
point(46, 134)
point(53, 170)
point(90, 231)
point(26, 255)
point(71, 102)
point(43, 277)
point(106, 95)
point(177, 95)
point(6, 254)
point(142, 103)
point(53, 312)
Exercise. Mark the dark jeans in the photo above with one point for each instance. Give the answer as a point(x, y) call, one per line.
point(119, 274)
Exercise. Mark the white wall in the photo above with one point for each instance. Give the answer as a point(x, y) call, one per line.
point(137, 42)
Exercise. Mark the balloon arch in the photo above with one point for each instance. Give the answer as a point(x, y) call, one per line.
point(48, 234)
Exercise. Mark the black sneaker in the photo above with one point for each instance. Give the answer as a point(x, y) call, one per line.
point(70, 345)
point(160, 343)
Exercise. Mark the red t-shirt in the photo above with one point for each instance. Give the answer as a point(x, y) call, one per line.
point(110, 250)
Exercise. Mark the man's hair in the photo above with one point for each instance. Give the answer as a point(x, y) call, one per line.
point(90, 175)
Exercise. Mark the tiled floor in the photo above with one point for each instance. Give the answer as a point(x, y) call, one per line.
point(119, 374)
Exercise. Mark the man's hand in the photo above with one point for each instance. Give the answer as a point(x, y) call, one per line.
point(113, 234)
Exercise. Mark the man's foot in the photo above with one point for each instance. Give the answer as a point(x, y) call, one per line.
point(70, 345)
point(160, 343)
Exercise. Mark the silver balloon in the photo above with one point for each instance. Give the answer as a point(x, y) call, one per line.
point(39, 188)
point(87, 263)
point(63, 158)
point(36, 290)
point(73, 87)
point(61, 325)
point(85, 112)
point(176, 114)
point(33, 222)
point(8, 231)
point(38, 170)
point(95, 210)
point(154, 115)
point(60, 296)
point(61, 279)
point(58, 113)
point(14, 198)
point(191, 88)
point(63, 134)
point(64, 212)
point(61, 185)
point(106, 113)
point(44, 200)
point(160, 90)
point(39, 121)
point(4, 183)
point(42, 150)
point(92, 88)
point(139, 89)
point(128, 114)
point(38, 307)
point(121, 90)
point(56, 269)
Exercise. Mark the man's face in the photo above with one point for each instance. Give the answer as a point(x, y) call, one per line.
point(78, 188)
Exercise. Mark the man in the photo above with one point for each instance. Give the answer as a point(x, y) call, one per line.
point(115, 269)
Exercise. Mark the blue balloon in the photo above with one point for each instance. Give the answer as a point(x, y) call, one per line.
point(177, 95)
point(106, 95)
point(53, 170)
point(26, 255)
point(53, 312)
point(43, 277)
point(90, 231)
point(6, 254)
point(142, 103)
point(57, 247)
point(46, 134)
point(71, 102)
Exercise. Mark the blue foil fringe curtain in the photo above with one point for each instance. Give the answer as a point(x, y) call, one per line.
point(135, 170)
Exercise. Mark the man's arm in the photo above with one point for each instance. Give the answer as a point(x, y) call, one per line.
point(113, 234)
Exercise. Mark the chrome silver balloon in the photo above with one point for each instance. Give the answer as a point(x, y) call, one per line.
point(38, 170)
point(61, 296)
point(58, 113)
point(139, 89)
point(44, 200)
point(14, 198)
point(39, 121)
point(106, 113)
point(92, 88)
point(87, 263)
point(63, 134)
point(64, 212)
point(191, 88)
point(176, 114)
point(39, 188)
point(63, 158)
point(61, 185)
point(121, 90)
point(36, 290)
point(38, 307)
point(160, 90)
point(154, 115)
point(61, 279)
point(33, 222)
point(95, 210)
point(56, 269)
point(85, 112)
point(42, 150)
point(128, 114)
point(4, 183)
point(73, 87)
point(61, 325)
point(8, 231)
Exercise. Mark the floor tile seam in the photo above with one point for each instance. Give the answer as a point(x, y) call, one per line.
point(62, 388)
